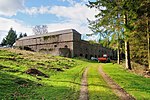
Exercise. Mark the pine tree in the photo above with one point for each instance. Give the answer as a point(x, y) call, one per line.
point(11, 37)
point(118, 16)
point(141, 38)
point(3, 43)
point(25, 34)
point(20, 36)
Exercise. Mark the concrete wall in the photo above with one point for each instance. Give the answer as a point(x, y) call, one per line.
point(60, 44)
point(51, 44)
point(87, 50)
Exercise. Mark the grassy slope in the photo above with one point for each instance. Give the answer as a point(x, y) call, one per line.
point(98, 88)
point(136, 85)
point(16, 84)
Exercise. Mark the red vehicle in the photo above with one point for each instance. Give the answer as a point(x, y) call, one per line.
point(104, 59)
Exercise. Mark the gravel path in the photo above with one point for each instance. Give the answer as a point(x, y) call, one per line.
point(84, 86)
point(120, 92)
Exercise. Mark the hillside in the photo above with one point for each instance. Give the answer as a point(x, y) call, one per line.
point(25, 75)
point(28, 75)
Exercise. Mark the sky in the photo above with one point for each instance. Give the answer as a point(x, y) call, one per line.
point(23, 15)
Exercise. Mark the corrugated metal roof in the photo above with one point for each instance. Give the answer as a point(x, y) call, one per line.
point(51, 33)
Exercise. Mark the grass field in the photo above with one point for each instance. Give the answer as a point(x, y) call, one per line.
point(62, 78)
point(61, 84)
point(136, 85)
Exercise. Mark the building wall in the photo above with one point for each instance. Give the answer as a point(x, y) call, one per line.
point(87, 50)
point(51, 44)
point(68, 44)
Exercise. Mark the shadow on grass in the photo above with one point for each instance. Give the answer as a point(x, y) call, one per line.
point(102, 95)
point(15, 88)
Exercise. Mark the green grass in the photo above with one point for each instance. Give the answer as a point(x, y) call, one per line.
point(136, 85)
point(16, 84)
point(62, 84)
point(98, 88)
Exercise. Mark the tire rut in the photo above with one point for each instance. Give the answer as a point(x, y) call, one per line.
point(84, 86)
point(120, 92)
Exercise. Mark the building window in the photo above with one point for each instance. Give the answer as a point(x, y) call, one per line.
point(55, 45)
point(81, 55)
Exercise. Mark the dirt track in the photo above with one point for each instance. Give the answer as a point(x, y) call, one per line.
point(120, 92)
point(84, 86)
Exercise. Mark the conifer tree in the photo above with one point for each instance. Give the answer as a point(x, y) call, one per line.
point(114, 13)
point(10, 38)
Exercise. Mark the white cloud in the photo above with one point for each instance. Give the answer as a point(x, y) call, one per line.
point(6, 24)
point(36, 10)
point(75, 16)
point(10, 7)
point(77, 12)
point(68, 25)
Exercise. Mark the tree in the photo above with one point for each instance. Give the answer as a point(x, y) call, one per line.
point(11, 37)
point(25, 34)
point(3, 43)
point(108, 22)
point(40, 29)
point(141, 33)
point(113, 14)
point(20, 36)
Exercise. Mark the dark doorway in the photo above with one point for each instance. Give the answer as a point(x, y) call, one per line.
point(81, 55)
point(86, 56)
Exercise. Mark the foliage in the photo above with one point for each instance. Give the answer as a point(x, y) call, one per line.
point(126, 21)
point(10, 38)
point(22, 35)
point(140, 39)
point(4, 42)
point(25, 34)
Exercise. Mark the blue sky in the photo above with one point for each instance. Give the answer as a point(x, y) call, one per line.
point(23, 15)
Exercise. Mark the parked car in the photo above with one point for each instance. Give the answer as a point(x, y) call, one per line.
point(104, 59)
point(94, 59)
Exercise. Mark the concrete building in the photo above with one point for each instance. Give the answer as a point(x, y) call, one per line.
point(66, 43)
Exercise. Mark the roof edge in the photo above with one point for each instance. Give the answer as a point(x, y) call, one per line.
point(50, 33)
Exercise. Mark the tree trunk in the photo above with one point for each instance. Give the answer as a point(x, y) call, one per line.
point(148, 41)
point(148, 51)
point(118, 51)
point(127, 50)
point(127, 55)
point(118, 55)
